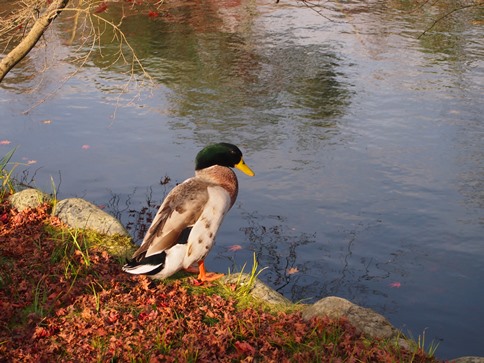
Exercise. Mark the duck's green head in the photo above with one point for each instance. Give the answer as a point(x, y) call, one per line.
point(222, 154)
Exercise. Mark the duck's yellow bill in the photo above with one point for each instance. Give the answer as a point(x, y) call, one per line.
point(242, 166)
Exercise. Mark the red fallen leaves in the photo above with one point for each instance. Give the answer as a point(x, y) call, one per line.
point(42, 332)
point(3, 218)
point(101, 314)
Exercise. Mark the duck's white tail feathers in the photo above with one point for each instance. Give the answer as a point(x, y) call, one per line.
point(143, 265)
point(159, 265)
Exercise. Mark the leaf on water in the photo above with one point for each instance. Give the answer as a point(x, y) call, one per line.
point(395, 284)
point(234, 248)
point(292, 270)
point(5, 142)
point(85, 147)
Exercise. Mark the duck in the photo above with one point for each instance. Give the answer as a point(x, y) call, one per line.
point(184, 229)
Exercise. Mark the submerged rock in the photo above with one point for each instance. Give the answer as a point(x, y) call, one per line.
point(79, 213)
point(28, 198)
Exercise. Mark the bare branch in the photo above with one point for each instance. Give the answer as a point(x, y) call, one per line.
point(27, 43)
point(447, 14)
point(314, 7)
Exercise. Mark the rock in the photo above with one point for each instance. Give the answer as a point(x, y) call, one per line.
point(264, 292)
point(364, 320)
point(28, 198)
point(79, 213)
point(468, 360)
point(259, 290)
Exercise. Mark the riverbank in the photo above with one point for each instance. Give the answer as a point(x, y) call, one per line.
point(64, 298)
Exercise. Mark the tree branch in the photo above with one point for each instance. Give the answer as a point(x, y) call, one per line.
point(27, 43)
point(449, 13)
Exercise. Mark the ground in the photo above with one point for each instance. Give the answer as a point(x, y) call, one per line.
point(64, 298)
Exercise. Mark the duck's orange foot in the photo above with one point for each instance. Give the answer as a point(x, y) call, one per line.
point(206, 280)
point(209, 276)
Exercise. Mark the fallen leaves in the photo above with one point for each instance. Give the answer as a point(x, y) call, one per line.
point(244, 348)
point(97, 313)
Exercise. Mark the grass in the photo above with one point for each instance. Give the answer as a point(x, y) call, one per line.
point(244, 285)
point(420, 344)
point(40, 298)
point(7, 185)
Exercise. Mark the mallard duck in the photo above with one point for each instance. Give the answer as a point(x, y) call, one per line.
point(184, 228)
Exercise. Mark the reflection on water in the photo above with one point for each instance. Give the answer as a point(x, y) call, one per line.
point(366, 142)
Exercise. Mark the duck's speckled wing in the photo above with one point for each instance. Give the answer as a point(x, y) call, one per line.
point(180, 210)
point(202, 236)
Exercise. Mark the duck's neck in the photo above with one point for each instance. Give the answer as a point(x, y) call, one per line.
point(223, 176)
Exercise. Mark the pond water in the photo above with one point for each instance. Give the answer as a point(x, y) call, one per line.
point(367, 144)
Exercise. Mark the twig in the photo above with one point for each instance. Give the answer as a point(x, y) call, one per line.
point(449, 13)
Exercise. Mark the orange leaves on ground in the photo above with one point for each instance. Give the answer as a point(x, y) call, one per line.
point(244, 348)
point(102, 314)
point(112, 317)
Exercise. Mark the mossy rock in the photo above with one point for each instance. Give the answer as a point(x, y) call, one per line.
point(28, 198)
point(79, 213)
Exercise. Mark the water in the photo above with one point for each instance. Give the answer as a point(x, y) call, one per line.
point(367, 145)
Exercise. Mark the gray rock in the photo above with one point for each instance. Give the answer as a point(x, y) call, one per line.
point(468, 360)
point(364, 320)
point(79, 213)
point(259, 290)
point(28, 198)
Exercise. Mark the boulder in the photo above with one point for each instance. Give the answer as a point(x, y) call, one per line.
point(28, 198)
point(365, 320)
point(259, 290)
point(79, 213)
point(468, 360)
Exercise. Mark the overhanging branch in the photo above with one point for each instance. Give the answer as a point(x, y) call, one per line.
point(27, 43)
